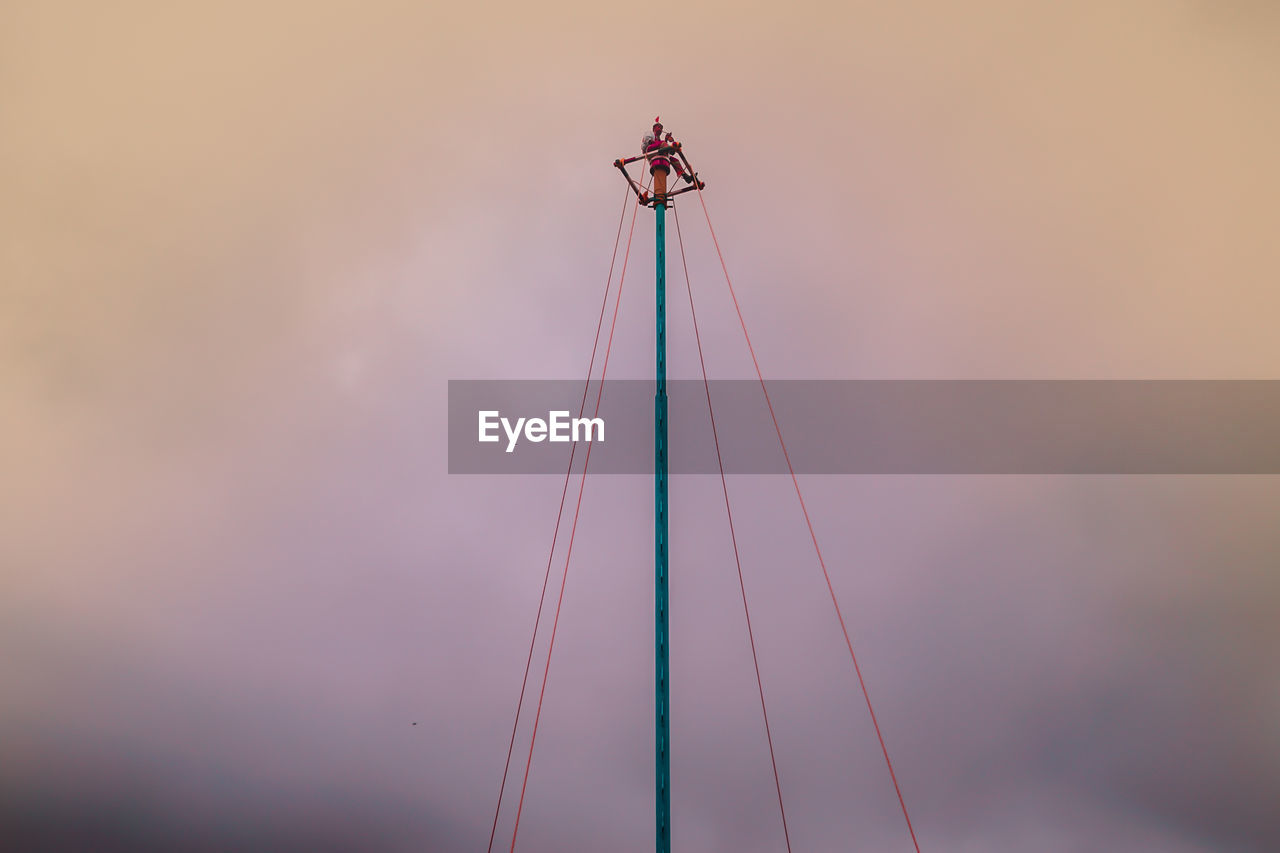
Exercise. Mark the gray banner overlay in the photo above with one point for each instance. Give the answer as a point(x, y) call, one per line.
point(885, 427)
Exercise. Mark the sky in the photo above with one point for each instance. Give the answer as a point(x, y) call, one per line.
point(244, 247)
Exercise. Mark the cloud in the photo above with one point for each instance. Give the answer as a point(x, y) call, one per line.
point(230, 582)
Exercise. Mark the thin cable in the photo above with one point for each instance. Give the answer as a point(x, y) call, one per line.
point(724, 486)
point(537, 620)
point(812, 535)
point(573, 529)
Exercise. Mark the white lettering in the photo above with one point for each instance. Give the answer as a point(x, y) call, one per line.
point(587, 424)
point(558, 427)
point(512, 434)
point(487, 424)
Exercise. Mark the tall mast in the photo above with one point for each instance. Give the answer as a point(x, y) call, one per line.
point(661, 154)
point(661, 656)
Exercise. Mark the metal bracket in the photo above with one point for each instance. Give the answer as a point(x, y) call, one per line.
point(643, 197)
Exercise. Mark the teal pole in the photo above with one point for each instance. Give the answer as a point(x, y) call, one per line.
point(663, 754)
